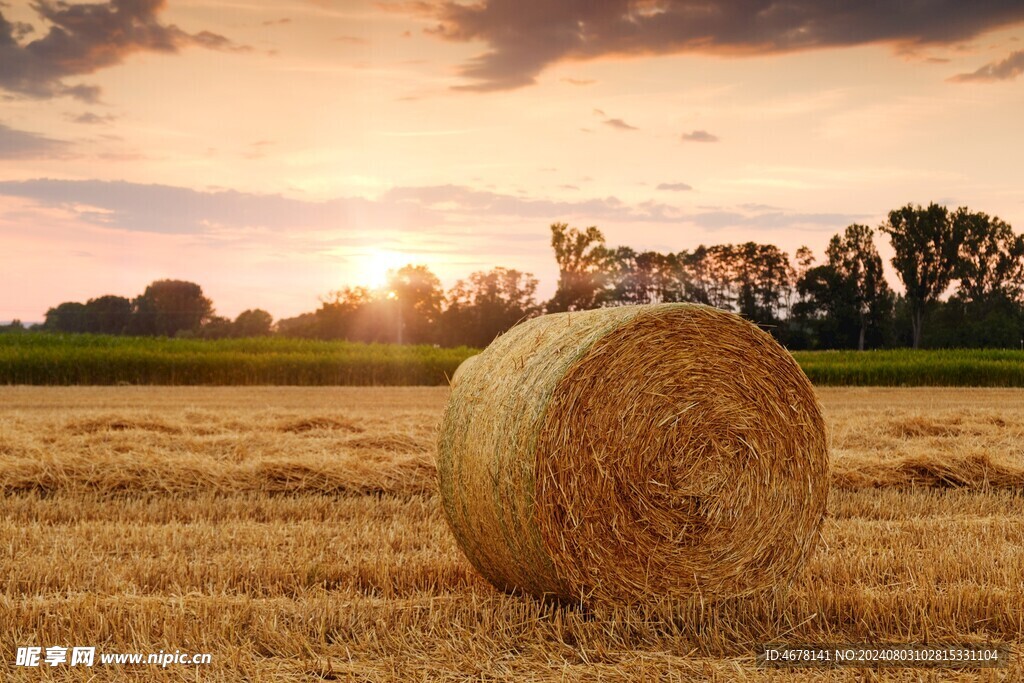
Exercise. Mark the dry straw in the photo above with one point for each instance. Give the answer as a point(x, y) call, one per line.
point(463, 368)
point(633, 454)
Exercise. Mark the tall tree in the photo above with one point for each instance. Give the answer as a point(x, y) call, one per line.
point(583, 263)
point(350, 314)
point(708, 275)
point(417, 296)
point(754, 279)
point(302, 326)
point(696, 275)
point(926, 257)
point(254, 322)
point(762, 278)
point(215, 327)
point(805, 260)
point(990, 258)
point(487, 304)
point(800, 324)
point(825, 309)
point(69, 316)
point(647, 277)
point(108, 314)
point(168, 307)
point(855, 260)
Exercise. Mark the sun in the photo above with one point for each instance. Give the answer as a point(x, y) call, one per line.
point(372, 267)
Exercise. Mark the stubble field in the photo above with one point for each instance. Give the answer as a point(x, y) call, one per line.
point(294, 534)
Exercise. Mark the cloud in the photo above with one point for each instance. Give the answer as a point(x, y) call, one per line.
point(277, 22)
point(699, 136)
point(84, 38)
point(179, 210)
point(773, 220)
point(93, 119)
point(619, 124)
point(477, 204)
point(440, 209)
point(523, 37)
point(458, 199)
point(215, 41)
point(1004, 70)
point(674, 187)
point(579, 81)
point(90, 94)
point(20, 144)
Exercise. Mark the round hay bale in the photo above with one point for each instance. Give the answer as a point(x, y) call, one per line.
point(634, 454)
point(463, 368)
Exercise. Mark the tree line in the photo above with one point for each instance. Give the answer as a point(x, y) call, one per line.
point(167, 308)
point(962, 274)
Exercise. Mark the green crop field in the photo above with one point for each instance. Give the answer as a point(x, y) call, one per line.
point(907, 367)
point(91, 359)
point(95, 359)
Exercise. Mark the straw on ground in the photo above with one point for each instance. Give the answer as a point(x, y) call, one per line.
point(218, 535)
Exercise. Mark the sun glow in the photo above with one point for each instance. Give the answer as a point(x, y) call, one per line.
point(371, 268)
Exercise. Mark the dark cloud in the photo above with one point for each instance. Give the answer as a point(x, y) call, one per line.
point(90, 94)
point(1004, 70)
point(619, 124)
point(84, 38)
point(616, 123)
point(20, 144)
point(93, 119)
point(699, 136)
point(215, 41)
point(674, 187)
point(525, 36)
point(20, 29)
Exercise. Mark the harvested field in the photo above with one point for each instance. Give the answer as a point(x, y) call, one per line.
point(294, 534)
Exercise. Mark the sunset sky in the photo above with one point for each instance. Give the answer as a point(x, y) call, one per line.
point(274, 150)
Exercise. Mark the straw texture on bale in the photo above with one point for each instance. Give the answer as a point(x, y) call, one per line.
point(464, 367)
point(634, 454)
